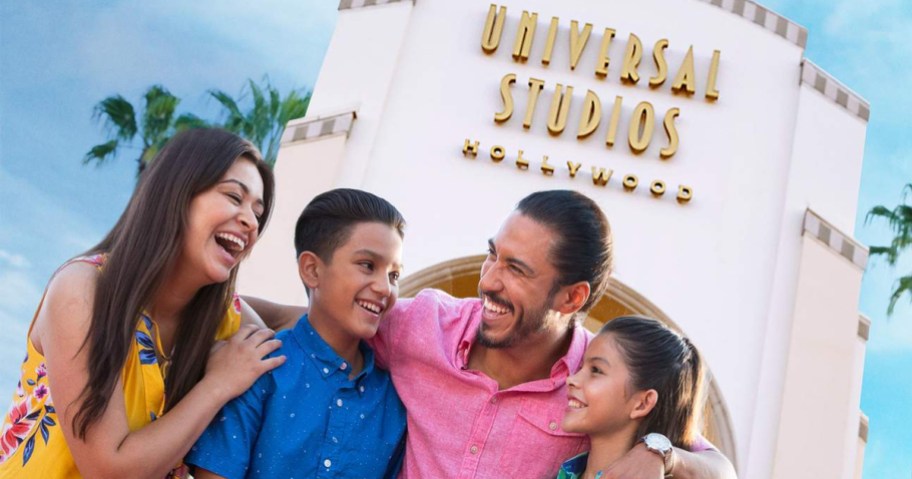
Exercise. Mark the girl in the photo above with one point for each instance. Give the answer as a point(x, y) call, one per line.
point(638, 377)
point(125, 367)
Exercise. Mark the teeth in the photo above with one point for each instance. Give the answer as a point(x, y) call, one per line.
point(493, 307)
point(241, 244)
point(370, 307)
point(574, 404)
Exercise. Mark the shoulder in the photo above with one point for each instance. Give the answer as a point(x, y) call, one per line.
point(434, 303)
point(66, 310)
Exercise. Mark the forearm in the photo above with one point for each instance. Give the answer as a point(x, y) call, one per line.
point(156, 448)
point(276, 316)
point(707, 464)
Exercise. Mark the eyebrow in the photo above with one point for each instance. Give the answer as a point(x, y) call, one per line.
point(377, 257)
point(244, 187)
point(599, 359)
point(513, 261)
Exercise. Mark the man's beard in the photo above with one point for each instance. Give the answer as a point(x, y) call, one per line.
point(531, 322)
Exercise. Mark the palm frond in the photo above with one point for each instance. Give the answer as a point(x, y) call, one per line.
point(903, 286)
point(118, 116)
point(101, 153)
point(158, 115)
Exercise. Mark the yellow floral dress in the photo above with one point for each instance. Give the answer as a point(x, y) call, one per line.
point(31, 443)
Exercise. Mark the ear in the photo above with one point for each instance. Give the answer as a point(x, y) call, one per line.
point(310, 269)
point(572, 297)
point(645, 402)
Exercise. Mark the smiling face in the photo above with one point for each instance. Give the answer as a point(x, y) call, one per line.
point(222, 224)
point(517, 283)
point(359, 284)
point(600, 399)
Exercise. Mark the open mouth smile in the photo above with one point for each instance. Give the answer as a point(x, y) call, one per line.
point(371, 306)
point(231, 243)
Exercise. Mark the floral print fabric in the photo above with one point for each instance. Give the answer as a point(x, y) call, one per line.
point(31, 443)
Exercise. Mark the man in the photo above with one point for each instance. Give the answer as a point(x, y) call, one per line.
point(484, 380)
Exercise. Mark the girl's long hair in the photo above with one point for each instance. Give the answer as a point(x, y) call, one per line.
point(661, 359)
point(141, 249)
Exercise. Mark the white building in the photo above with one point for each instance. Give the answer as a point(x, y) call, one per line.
point(757, 153)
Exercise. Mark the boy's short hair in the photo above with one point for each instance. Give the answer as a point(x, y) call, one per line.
point(327, 221)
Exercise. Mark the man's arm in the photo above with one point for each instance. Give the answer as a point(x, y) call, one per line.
point(276, 316)
point(640, 463)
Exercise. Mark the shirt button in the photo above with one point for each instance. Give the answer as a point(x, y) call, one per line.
point(327, 463)
point(344, 366)
point(552, 426)
point(361, 388)
point(339, 402)
point(325, 370)
point(474, 450)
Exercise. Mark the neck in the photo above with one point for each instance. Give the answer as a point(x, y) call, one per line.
point(528, 360)
point(345, 345)
point(166, 306)
point(608, 448)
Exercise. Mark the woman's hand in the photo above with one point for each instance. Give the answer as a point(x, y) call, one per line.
point(234, 365)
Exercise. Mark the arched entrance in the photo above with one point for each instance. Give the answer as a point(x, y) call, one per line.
point(459, 277)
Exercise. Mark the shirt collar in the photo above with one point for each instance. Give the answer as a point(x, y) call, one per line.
point(575, 467)
point(564, 367)
point(327, 361)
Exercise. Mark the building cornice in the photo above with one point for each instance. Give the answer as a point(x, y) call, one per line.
point(307, 128)
point(837, 241)
point(346, 4)
point(814, 76)
point(765, 18)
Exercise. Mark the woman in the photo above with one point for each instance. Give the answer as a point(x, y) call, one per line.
point(638, 377)
point(125, 337)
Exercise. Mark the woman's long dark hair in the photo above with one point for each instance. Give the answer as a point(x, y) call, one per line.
point(141, 249)
point(661, 359)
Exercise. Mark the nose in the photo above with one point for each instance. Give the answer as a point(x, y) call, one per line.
point(382, 284)
point(490, 277)
point(573, 380)
point(248, 219)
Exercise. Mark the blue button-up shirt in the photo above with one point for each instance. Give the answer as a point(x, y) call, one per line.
point(306, 418)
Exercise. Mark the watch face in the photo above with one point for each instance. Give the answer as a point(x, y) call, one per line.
point(657, 442)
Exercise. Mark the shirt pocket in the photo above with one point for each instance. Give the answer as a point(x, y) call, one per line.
point(537, 445)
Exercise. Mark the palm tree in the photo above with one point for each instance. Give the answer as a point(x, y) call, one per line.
point(156, 125)
point(900, 221)
point(264, 123)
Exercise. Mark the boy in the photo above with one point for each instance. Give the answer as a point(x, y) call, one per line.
point(327, 412)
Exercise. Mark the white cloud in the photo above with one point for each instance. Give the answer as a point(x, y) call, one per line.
point(13, 259)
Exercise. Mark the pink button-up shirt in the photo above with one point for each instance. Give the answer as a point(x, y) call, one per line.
point(460, 425)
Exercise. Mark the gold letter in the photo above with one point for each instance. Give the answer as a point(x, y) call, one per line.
point(658, 54)
point(685, 193)
point(641, 124)
point(524, 34)
point(497, 153)
point(577, 42)
point(601, 68)
point(521, 162)
point(507, 112)
point(549, 45)
point(711, 92)
point(672, 133)
point(493, 29)
point(684, 80)
point(545, 167)
point(615, 119)
point(573, 167)
point(591, 116)
point(657, 188)
point(469, 148)
point(535, 87)
point(560, 108)
point(632, 59)
point(631, 182)
point(601, 178)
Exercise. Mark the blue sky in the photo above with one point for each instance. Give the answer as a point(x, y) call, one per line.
point(58, 61)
